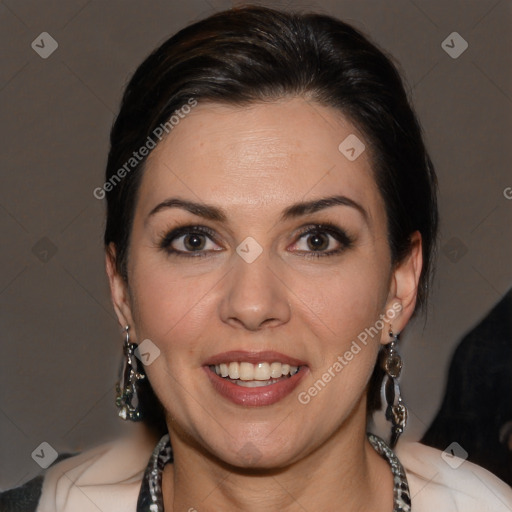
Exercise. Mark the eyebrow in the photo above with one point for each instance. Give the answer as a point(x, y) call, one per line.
point(300, 209)
point(308, 207)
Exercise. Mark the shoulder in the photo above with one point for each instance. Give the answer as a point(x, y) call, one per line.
point(107, 477)
point(23, 498)
point(448, 483)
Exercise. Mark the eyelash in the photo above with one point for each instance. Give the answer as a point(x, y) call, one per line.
point(338, 234)
point(166, 240)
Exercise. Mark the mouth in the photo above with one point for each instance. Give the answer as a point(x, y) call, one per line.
point(251, 375)
point(254, 379)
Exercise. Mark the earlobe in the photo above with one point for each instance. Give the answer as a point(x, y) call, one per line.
point(404, 286)
point(118, 289)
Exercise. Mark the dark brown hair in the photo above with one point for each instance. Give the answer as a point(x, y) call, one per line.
point(256, 54)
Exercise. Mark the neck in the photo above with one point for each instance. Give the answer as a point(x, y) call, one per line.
point(344, 472)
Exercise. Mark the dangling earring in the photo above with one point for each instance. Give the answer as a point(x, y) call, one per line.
point(126, 389)
point(396, 412)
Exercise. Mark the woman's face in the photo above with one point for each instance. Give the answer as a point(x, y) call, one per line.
point(260, 249)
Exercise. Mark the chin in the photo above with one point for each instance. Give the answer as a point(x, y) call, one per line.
point(251, 457)
point(253, 451)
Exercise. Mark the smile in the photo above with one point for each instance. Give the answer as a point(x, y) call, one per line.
point(254, 375)
point(254, 379)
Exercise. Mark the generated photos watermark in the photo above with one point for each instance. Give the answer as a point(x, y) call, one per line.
point(137, 156)
point(363, 337)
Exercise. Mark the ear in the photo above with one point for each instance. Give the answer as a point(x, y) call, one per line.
point(403, 289)
point(118, 289)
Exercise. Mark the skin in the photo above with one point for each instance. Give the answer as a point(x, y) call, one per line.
point(253, 162)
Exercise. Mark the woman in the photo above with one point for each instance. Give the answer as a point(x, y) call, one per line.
point(271, 222)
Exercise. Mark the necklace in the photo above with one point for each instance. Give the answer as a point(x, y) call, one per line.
point(151, 500)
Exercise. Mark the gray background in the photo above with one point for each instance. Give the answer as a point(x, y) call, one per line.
point(60, 344)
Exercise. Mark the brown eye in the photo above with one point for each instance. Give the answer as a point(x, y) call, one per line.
point(194, 242)
point(318, 241)
point(322, 240)
point(190, 241)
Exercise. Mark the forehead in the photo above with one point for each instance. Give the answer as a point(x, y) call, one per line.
point(263, 154)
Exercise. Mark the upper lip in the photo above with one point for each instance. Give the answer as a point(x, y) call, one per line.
point(254, 357)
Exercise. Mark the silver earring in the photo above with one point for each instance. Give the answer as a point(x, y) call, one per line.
point(396, 412)
point(126, 388)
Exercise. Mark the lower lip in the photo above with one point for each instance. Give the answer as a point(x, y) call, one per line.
point(254, 397)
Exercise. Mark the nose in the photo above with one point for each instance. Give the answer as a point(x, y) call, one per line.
point(254, 296)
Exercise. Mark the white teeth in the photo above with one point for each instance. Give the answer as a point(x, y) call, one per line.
point(234, 371)
point(246, 371)
point(224, 371)
point(262, 371)
point(275, 370)
point(254, 373)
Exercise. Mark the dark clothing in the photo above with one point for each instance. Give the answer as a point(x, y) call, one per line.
point(478, 402)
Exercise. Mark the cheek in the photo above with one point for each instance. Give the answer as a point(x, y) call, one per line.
point(164, 302)
point(175, 313)
point(346, 300)
point(345, 325)
point(342, 313)
point(171, 309)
